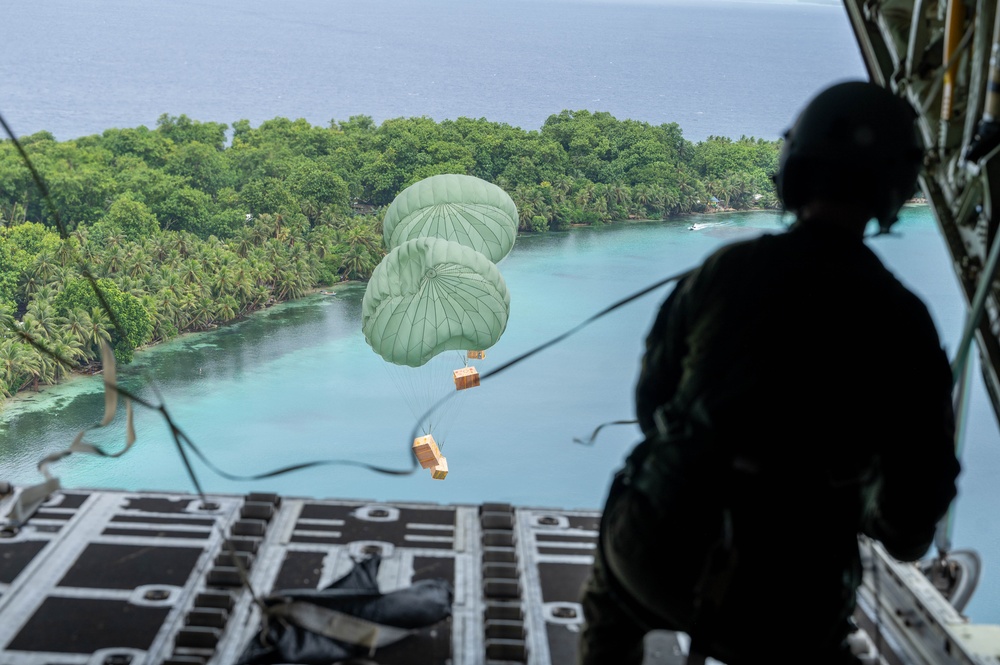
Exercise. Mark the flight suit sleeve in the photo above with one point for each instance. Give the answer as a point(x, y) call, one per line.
point(918, 465)
point(666, 346)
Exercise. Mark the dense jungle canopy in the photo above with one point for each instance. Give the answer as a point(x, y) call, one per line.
point(192, 224)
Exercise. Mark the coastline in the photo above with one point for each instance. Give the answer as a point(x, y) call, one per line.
point(25, 399)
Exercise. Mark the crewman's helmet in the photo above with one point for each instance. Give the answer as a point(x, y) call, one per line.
point(856, 140)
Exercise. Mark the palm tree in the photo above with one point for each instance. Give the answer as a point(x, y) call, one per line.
point(642, 197)
point(114, 240)
point(357, 264)
point(160, 314)
point(320, 241)
point(43, 314)
point(38, 363)
point(260, 296)
point(203, 313)
point(63, 275)
point(66, 351)
point(220, 282)
point(227, 308)
point(139, 263)
point(7, 321)
point(67, 252)
point(362, 235)
point(191, 272)
point(78, 326)
point(671, 201)
point(244, 280)
point(741, 193)
point(561, 186)
point(185, 310)
point(99, 331)
point(32, 282)
point(17, 365)
point(333, 219)
point(183, 242)
point(46, 293)
point(156, 246)
point(770, 200)
point(621, 196)
point(311, 210)
point(243, 241)
point(166, 313)
point(114, 259)
point(659, 200)
point(81, 233)
point(719, 190)
point(525, 211)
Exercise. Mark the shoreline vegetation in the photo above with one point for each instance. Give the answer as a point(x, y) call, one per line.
point(183, 232)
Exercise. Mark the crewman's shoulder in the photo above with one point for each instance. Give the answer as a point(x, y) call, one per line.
point(746, 251)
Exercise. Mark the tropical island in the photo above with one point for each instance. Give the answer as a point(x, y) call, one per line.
point(193, 224)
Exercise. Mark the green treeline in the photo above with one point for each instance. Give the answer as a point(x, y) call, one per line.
point(184, 232)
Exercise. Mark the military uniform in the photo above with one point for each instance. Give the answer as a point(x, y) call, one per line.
point(793, 394)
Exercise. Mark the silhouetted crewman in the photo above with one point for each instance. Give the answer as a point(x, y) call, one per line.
point(793, 394)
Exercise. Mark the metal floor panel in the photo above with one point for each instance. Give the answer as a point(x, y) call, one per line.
point(119, 577)
point(143, 578)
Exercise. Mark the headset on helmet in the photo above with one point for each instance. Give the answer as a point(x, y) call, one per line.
point(856, 140)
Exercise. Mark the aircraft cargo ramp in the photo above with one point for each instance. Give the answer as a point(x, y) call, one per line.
point(127, 578)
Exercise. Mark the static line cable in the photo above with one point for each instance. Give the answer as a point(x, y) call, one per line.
point(182, 440)
point(552, 342)
point(580, 326)
point(593, 435)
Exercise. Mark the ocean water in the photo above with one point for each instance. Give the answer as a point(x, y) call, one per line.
point(298, 383)
point(77, 67)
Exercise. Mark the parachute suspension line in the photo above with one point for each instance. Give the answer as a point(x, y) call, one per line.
point(447, 416)
point(408, 387)
point(552, 342)
point(414, 385)
point(421, 386)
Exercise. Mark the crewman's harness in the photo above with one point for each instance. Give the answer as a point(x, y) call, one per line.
point(721, 559)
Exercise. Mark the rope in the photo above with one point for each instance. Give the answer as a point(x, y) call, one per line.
point(552, 342)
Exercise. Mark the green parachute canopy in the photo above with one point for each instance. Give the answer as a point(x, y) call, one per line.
point(430, 295)
point(460, 208)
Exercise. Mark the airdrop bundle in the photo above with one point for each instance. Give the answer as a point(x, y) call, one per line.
point(438, 289)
